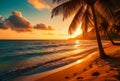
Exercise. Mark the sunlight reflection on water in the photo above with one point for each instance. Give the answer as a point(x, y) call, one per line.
point(77, 43)
point(79, 61)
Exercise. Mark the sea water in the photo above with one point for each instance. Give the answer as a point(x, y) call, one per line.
point(19, 58)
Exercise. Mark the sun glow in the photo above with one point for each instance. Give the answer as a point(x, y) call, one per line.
point(77, 43)
point(79, 61)
point(77, 32)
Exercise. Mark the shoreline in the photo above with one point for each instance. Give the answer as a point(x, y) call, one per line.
point(61, 70)
point(68, 72)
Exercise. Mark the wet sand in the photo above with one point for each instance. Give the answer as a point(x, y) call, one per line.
point(90, 68)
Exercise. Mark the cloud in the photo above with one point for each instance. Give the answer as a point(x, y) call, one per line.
point(39, 4)
point(17, 23)
point(1, 18)
point(50, 28)
point(42, 26)
point(2, 24)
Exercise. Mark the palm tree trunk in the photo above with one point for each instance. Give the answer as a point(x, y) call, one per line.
point(101, 51)
point(109, 37)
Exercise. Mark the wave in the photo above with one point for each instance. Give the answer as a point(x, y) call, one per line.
point(48, 65)
point(44, 55)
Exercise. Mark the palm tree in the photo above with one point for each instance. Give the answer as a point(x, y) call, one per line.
point(117, 20)
point(85, 12)
point(104, 25)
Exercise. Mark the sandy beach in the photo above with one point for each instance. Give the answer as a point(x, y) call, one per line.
point(91, 68)
point(60, 40)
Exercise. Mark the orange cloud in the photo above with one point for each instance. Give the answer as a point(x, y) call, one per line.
point(0, 18)
point(2, 23)
point(17, 13)
point(42, 26)
point(39, 4)
point(16, 22)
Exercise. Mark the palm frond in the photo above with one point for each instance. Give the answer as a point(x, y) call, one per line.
point(117, 14)
point(105, 8)
point(87, 20)
point(70, 10)
point(104, 24)
point(59, 1)
point(66, 9)
point(76, 20)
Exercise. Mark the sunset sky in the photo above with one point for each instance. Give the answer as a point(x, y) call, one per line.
point(31, 19)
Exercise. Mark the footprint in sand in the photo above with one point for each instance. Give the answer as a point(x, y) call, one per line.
point(79, 78)
point(95, 74)
point(66, 77)
point(84, 70)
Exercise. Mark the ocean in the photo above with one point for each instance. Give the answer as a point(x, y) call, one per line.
point(22, 58)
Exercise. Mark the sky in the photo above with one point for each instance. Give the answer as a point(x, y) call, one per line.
point(31, 19)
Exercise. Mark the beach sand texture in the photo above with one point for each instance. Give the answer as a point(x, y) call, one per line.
point(91, 68)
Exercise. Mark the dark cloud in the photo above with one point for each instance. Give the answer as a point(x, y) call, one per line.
point(2, 24)
point(19, 23)
point(42, 26)
point(1, 18)
point(16, 22)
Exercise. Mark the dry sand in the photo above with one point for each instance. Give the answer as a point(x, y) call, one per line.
point(91, 68)
point(103, 69)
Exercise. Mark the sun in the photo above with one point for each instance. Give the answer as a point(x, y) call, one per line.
point(77, 32)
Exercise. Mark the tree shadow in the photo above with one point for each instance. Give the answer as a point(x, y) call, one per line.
point(117, 44)
point(114, 62)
